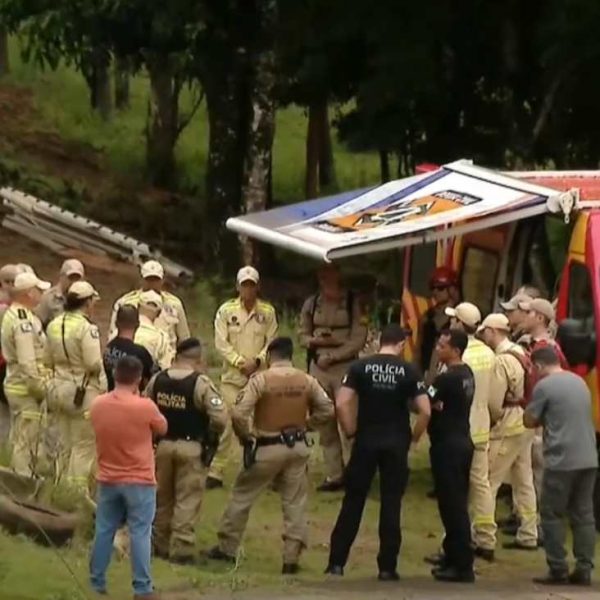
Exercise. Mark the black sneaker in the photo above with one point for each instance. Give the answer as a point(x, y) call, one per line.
point(331, 486)
point(516, 545)
point(290, 569)
point(553, 578)
point(215, 553)
point(485, 554)
point(335, 570)
point(212, 483)
point(437, 560)
point(453, 575)
point(580, 577)
point(388, 576)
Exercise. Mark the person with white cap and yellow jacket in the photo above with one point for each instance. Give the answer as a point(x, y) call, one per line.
point(172, 320)
point(23, 346)
point(481, 359)
point(75, 357)
point(148, 334)
point(244, 328)
point(510, 442)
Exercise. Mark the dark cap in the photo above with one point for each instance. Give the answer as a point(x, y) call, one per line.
point(191, 343)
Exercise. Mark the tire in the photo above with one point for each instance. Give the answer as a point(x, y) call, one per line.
point(43, 525)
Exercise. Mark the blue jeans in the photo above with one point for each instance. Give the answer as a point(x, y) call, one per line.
point(119, 503)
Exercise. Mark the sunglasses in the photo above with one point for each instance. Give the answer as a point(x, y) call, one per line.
point(439, 288)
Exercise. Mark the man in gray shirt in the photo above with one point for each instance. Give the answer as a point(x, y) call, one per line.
point(561, 404)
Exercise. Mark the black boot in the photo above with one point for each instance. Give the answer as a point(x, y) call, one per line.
point(453, 575)
point(215, 553)
point(485, 554)
point(553, 578)
point(335, 570)
point(212, 483)
point(388, 576)
point(580, 577)
point(290, 569)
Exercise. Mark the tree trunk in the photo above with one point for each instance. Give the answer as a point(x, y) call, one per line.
point(98, 80)
point(327, 178)
point(384, 165)
point(4, 56)
point(163, 120)
point(121, 74)
point(311, 185)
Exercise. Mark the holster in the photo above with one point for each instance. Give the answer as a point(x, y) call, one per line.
point(210, 445)
point(311, 357)
point(80, 390)
point(250, 446)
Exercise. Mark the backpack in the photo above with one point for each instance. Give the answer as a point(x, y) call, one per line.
point(529, 376)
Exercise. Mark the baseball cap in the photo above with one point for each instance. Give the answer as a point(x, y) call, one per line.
point(8, 273)
point(27, 281)
point(248, 274)
point(83, 290)
point(151, 297)
point(513, 303)
point(466, 312)
point(539, 305)
point(72, 266)
point(495, 321)
point(25, 268)
point(152, 268)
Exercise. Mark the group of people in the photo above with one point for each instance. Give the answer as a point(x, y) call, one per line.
point(76, 409)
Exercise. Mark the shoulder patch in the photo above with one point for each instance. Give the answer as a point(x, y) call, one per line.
point(266, 306)
point(21, 313)
point(94, 333)
point(216, 401)
point(26, 327)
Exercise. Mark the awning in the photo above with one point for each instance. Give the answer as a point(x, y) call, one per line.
point(452, 200)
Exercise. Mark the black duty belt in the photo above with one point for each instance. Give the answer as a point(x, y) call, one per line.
point(184, 438)
point(287, 437)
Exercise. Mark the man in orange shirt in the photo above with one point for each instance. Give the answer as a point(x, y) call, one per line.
point(124, 423)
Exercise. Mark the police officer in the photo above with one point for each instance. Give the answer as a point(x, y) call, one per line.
point(451, 452)
point(244, 327)
point(373, 407)
point(271, 418)
point(52, 303)
point(516, 317)
point(481, 360)
point(173, 319)
point(510, 442)
point(196, 415)
point(334, 331)
point(148, 334)
point(23, 343)
point(75, 357)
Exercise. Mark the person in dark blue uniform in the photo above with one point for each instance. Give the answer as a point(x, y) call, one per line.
point(451, 452)
point(373, 407)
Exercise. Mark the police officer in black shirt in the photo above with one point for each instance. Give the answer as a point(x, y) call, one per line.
point(373, 407)
point(451, 453)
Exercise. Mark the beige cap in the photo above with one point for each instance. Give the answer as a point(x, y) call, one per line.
point(25, 268)
point(495, 321)
point(515, 301)
point(8, 273)
point(466, 312)
point(72, 266)
point(248, 274)
point(83, 290)
point(150, 297)
point(152, 268)
point(539, 305)
point(27, 281)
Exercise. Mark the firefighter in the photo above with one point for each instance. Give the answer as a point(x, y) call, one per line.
point(516, 317)
point(334, 331)
point(75, 357)
point(443, 284)
point(23, 344)
point(149, 334)
point(481, 360)
point(196, 416)
point(510, 442)
point(244, 327)
point(173, 319)
point(271, 421)
point(53, 301)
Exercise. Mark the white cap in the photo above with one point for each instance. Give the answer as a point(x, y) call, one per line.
point(25, 268)
point(72, 266)
point(495, 321)
point(465, 312)
point(83, 290)
point(152, 268)
point(248, 274)
point(150, 297)
point(27, 281)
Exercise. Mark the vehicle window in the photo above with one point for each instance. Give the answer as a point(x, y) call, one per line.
point(581, 303)
point(479, 271)
point(422, 263)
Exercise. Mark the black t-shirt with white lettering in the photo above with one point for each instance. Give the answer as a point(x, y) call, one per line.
point(451, 395)
point(385, 386)
point(120, 347)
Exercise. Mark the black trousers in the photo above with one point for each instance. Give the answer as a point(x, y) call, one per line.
point(450, 464)
point(390, 457)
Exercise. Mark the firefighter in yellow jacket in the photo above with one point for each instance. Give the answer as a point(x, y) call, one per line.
point(172, 320)
point(244, 327)
point(149, 334)
point(510, 442)
point(481, 359)
point(23, 346)
point(75, 357)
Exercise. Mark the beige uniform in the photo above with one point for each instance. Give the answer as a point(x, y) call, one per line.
point(75, 357)
point(156, 341)
point(510, 442)
point(239, 335)
point(4, 410)
point(51, 305)
point(348, 333)
point(481, 360)
point(180, 473)
point(23, 343)
point(171, 320)
point(280, 398)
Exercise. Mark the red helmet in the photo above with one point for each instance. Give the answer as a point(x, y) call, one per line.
point(443, 276)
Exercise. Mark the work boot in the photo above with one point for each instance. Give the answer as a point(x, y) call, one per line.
point(485, 554)
point(331, 486)
point(451, 574)
point(335, 570)
point(553, 578)
point(437, 560)
point(516, 545)
point(212, 483)
point(290, 569)
point(580, 577)
point(215, 553)
point(388, 576)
